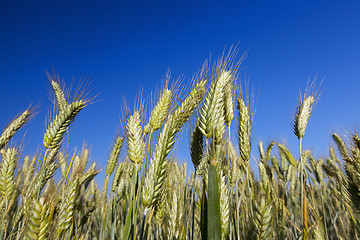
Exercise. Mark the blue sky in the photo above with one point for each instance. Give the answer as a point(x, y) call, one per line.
point(125, 46)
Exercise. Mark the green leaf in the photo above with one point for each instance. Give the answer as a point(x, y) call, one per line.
point(126, 233)
point(203, 222)
point(214, 222)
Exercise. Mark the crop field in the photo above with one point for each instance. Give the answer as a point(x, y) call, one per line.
point(147, 194)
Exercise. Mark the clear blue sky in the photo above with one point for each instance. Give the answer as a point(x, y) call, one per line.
point(125, 45)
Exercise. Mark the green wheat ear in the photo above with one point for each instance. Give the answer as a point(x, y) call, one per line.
point(115, 152)
point(14, 126)
point(135, 140)
point(7, 169)
point(66, 115)
point(263, 219)
point(287, 154)
point(66, 211)
point(60, 97)
point(159, 112)
point(212, 113)
point(39, 224)
point(224, 207)
point(60, 124)
point(197, 146)
point(229, 102)
point(304, 109)
point(55, 81)
point(158, 163)
point(188, 106)
point(244, 132)
point(303, 113)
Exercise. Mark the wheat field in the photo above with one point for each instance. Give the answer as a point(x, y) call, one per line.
point(148, 195)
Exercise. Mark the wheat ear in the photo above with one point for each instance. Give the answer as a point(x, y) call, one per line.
point(28, 170)
point(212, 113)
point(13, 127)
point(196, 146)
point(88, 176)
point(158, 164)
point(224, 207)
point(228, 103)
point(114, 155)
point(244, 132)
point(173, 214)
point(301, 119)
point(60, 97)
point(302, 115)
point(157, 168)
point(120, 170)
point(55, 132)
point(188, 106)
point(287, 154)
point(39, 224)
point(263, 219)
point(135, 140)
point(66, 211)
point(235, 165)
point(159, 112)
point(7, 168)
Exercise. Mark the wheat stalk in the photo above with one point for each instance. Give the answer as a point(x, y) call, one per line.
point(300, 121)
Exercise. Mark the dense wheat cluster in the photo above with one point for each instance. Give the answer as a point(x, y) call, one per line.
point(148, 195)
